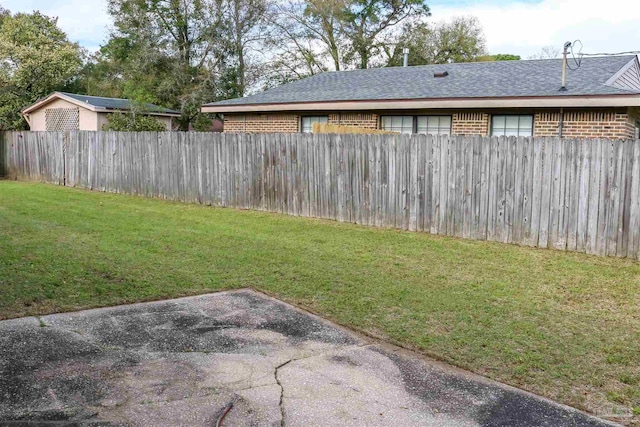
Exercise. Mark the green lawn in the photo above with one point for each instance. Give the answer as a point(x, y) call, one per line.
point(563, 325)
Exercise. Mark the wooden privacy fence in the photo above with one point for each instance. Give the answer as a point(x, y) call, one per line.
point(577, 195)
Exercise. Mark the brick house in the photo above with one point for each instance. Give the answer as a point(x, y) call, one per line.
point(601, 98)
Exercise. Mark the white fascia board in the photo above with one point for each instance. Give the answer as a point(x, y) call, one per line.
point(449, 103)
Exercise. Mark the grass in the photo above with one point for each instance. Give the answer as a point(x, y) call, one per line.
point(563, 325)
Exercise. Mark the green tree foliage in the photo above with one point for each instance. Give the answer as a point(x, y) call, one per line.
point(180, 54)
point(203, 123)
point(183, 53)
point(36, 58)
point(303, 38)
point(161, 51)
point(506, 57)
point(459, 40)
point(312, 36)
point(132, 122)
point(245, 28)
point(366, 23)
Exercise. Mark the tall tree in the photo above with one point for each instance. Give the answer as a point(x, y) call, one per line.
point(36, 58)
point(305, 39)
point(312, 36)
point(366, 22)
point(459, 40)
point(181, 53)
point(325, 19)
point(165, 51)
point(245, 29)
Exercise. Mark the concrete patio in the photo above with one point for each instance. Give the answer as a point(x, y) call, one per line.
point(180, 362)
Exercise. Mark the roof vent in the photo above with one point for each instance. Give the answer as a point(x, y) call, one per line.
point(440, 74)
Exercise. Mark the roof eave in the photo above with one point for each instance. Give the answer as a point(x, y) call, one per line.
point(162, 114)
point(53, 97)
point(91, 107)
point(146, 113)
point(565, 101)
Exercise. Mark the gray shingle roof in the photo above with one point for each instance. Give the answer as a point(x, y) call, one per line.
point(465, 80)
point(116, 103)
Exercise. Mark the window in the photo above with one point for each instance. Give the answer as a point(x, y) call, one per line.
point(638, 129)
point(306, 124)
point(512, 125)
point(402, 124)
point(434, 125)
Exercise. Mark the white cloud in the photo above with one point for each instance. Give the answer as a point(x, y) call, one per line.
point(84, 21)
point(524, 28)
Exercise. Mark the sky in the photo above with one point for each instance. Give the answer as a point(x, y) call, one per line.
point(520, 27)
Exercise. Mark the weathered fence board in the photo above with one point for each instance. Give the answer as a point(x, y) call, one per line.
point(577, 195)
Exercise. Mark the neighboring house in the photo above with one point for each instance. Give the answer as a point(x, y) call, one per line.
point(601, 99)
point(67, 111)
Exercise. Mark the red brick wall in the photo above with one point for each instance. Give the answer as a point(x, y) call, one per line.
point(577, 124)
point(584, 124)
point(470, 123)
point(634, 119)
point(360, 120)
point(262, 123)
point(287, 123)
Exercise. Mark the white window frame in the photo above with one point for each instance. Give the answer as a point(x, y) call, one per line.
point(312, 120)
point(409, 124)
point(439, 128)
point(520, 131)
point(390, 122)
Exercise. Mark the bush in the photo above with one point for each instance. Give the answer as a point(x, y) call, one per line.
point(130, 122)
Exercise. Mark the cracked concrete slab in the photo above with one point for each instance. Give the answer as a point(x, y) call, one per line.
point(180, 362)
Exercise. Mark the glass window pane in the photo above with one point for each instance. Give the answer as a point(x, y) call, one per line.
point(306, 124)
point(526, 122)
point(512, 125)
point(422, 124)
point(498, 122)
point(434, 125)
point(525, 126)
point(407, 124)
point(387, 122)
point(444, 127)
point(511, 122)
point(402, 124)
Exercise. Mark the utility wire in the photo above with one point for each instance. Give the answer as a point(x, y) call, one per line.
point(577, 57)
point(631, 52)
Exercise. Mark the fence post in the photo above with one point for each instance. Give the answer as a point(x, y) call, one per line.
point(3, 155)
point(65, 154)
